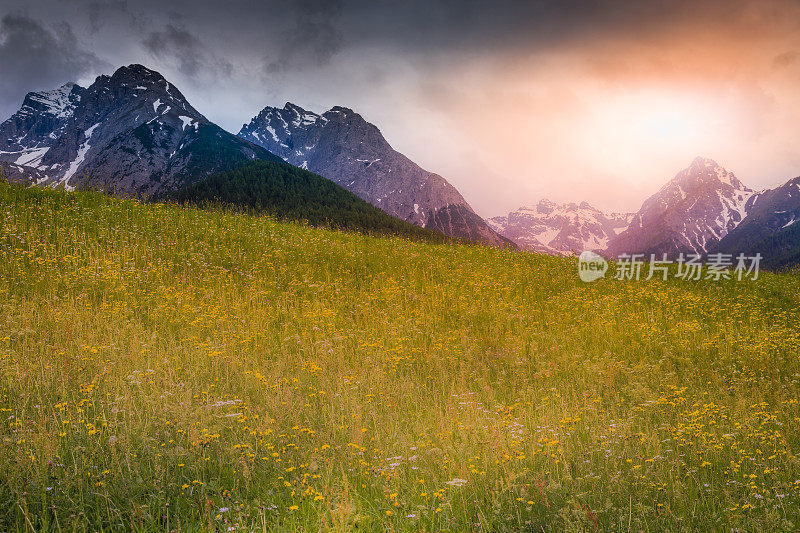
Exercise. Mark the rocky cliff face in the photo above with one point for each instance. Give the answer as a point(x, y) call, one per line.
point(771, 228)
point(459, 221)
point(343, 147)
point(132, 133)
point(42, 119)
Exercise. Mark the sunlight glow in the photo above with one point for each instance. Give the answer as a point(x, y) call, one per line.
point(622, 128)
point(674, 120)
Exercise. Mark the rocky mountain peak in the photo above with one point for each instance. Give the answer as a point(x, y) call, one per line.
point(344, 112)
point(344, 117)
point(131, 96)
point(343, 147)
point(292, 107)
point(137, 73)
point(708, 173)
point(137, 87)
point(545, 206)
point(59, 103)
point(29, 133)
point(698, 207)
point(300, 117)
point(132, 132)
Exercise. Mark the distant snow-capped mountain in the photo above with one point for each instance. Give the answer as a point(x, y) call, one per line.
point(696, 209)
point(703, 209)
point(343, 147)
point(131, 133)
point(561, 229)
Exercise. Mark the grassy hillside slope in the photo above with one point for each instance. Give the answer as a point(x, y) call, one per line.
point(165, 368)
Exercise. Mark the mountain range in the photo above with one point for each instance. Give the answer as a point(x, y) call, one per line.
point(134, 134)
point(703, 209)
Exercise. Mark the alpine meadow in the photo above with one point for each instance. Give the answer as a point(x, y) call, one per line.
point(165, 368)
point(427, 266)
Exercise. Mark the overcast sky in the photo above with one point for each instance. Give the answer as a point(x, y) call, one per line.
point(572, 100)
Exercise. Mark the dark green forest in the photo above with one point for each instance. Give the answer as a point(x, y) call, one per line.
point(290, 193)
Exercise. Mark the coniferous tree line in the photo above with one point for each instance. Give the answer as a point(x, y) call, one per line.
point(291, 193)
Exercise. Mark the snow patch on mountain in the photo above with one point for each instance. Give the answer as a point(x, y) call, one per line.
point(80, 158)
point(32, 158)
point(187, 121)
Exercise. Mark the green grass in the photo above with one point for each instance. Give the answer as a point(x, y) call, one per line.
point(164, 368)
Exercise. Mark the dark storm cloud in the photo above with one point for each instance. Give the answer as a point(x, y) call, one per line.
point(35, 57)
point(104, 12)
point(312, 39)
point(191, 57)
point(306, 34)
point(427, 27)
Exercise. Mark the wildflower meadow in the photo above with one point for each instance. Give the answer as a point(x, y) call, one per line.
point(172, 369)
